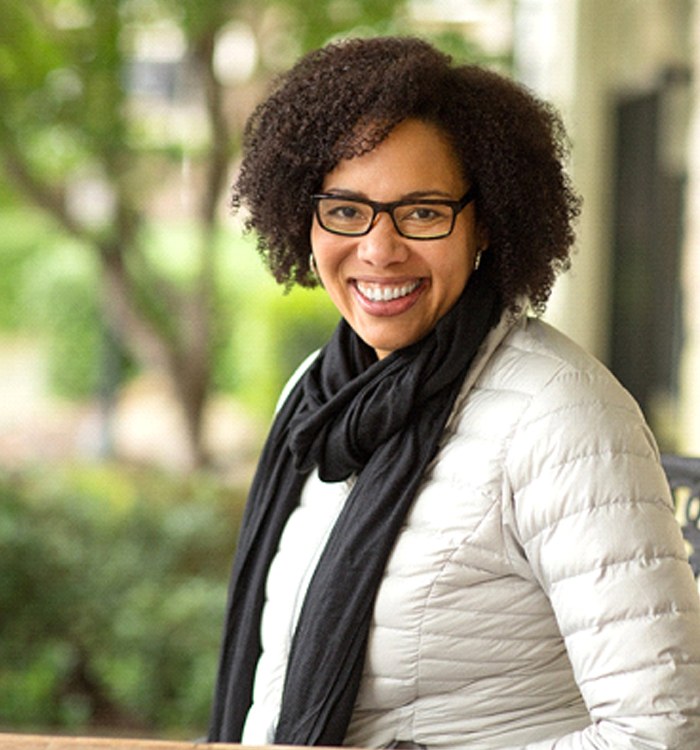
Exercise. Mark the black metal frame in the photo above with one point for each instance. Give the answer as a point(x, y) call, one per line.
point(683, 473)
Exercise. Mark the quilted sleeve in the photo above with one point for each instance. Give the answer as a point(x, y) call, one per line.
point(595, 519)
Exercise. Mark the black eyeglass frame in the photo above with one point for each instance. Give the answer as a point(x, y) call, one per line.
point(389, 208)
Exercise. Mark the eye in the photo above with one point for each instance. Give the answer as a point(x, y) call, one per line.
point(344, 211)
point(423, 213)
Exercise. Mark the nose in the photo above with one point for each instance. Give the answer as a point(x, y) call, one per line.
point(382, 245)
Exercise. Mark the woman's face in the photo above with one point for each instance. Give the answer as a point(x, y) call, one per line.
point(390, 289)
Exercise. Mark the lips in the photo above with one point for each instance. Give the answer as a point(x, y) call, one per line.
point(380, 292)
point(386, 299)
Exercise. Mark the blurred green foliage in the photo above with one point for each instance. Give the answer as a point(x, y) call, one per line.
point(111, 597)
point(274, 334)
point(24, 234)
point(50, 289)
point(61, 298)
point(79, 120)
point(106, 106)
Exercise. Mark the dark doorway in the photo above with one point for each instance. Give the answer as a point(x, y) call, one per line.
point(646, 325)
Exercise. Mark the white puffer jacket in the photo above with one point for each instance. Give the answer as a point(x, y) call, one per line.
point(538, 597)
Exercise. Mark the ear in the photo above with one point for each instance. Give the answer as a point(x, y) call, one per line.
point(483, 238)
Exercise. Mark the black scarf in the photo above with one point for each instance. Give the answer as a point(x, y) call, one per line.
point(349, 414)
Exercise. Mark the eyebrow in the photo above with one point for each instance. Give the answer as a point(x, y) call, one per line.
point(414, 195)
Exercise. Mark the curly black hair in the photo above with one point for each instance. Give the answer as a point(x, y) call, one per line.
point(341, 101)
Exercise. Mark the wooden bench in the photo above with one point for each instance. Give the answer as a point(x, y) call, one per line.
point(46, 742)
point(41, 742)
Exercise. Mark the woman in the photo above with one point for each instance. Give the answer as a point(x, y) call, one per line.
point(459, 534)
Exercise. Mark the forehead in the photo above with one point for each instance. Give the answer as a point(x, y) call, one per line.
point(414, 156)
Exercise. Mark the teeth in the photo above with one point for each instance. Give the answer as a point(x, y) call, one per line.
point(383, 293)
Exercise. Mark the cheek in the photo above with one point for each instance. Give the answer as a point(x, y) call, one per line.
point(455, 263)
point(328, 251)
point(319, 243)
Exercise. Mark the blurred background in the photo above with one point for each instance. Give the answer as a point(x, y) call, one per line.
point(142, 345)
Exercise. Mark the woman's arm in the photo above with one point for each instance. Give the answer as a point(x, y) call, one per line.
point(595, 518)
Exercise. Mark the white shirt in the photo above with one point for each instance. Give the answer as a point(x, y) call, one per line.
point(287, 582)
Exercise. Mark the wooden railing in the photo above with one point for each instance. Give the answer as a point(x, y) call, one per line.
point(41, 742)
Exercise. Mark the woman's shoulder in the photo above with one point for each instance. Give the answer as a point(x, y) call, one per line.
point(543, 363)
point(530, 381)
point(546, 400)
point(574, 412)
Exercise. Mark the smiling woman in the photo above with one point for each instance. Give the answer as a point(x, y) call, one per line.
point(390, 288)
point(459, 534)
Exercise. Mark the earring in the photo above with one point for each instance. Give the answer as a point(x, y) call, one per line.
point(477, 259)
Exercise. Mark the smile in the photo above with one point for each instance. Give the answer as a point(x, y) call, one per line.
point(385, 292)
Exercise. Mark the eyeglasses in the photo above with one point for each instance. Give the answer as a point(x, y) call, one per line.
point(427, 219)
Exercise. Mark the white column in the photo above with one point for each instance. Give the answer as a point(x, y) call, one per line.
point(553, 56)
